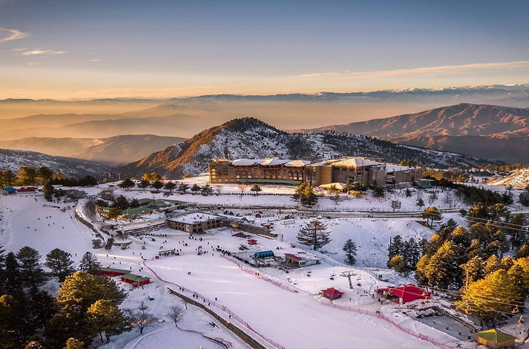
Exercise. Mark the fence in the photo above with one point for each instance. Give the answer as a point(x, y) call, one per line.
point(385, 318)
point(262, 277)
point(210, 302)
point(328, 304)
point(220, 341)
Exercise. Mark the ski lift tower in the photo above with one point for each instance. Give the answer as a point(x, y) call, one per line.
point(348, 275)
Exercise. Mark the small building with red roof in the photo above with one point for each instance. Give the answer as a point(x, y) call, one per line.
point(301, 259)
point(332, 293)
point(404, 294)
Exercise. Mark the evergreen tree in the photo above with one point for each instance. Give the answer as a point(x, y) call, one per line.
point(134, 203)
point(314, 234)
point(398, 263)
point(183, 187)
point(157, 185)
point(518, 236)
point(350, 252)
point(26, 175)
point(30, 268)
point(89, 263)
point(431, 214)
point(207, 190)
point(144, 184)
point(443, 267)
point(41, 308)
point(195, 188)
point(492, 264)
point(523, 252)
point(84, 289)
point(114, 213)
point(105, 318)
point(170, 186)
point(121, 202)
point(491, 296)
point(300, 190)
point(408, 193)
point(153, 176)
point(73, 343)
point(478, 211)
point(420, 203)
point(48, 191)
point(256, 189)
point(473, 270)
point(7, 178)
point(43, 175)
point(308, 198)
point(12, 279)
point(70, 322)
point(60, 263)
point(395, 247)
point(411, 252)
point(127, 183)
point(378, 191)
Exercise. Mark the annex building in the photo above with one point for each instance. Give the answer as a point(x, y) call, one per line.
point(195, 222)
point(280, 171)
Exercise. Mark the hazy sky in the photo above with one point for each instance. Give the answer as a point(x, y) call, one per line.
point(111, 48)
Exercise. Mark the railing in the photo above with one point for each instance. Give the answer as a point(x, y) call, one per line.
point(210, 302)
point(220, 341)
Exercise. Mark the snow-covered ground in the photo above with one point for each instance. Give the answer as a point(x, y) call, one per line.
point(295, 320)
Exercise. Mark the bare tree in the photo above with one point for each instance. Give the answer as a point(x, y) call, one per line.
point(141, 319)
point(242, 187)
point(218, 189)
point(175, 313)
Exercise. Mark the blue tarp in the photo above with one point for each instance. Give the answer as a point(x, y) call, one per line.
point(10, 190)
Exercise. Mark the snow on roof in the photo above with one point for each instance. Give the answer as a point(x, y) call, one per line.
point(270, 162)
point(301, 256)
point(392, 168)
point(246, 162)
point(194, 218)
point(355, 162)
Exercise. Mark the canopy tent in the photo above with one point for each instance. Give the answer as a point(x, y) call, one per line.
point(406, 293)
point(495, 339)
point(332, 293)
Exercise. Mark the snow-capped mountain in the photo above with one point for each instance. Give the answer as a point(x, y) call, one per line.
point(252, 138)
point(14, 159)
point(488, 131)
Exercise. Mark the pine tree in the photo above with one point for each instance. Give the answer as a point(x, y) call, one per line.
point(12, 279)
point(30, 268)
point(207, 190)
point(89, 263)
point(314, 234)
point(114, 213)
point(60, 263)
point(157, 185)
point(300, 190)
point(473, 270)
point(491, 296)
point(492, 264)
point(84, 289)
point(195, 188)
point(398, 263)
point(431, 214)
point(105, 318)
point(420, 202)
point(523, 252)
point(183, 187)
point(41, 308)
point(395, 247)
point(48, 191)
point(127, 183)
point(256, 189)
point(144, 184)
point(70, 322)
point(408, 193)
point(73, 343)
point(350, 252)
point(121, 202)
point(134, 203)
point(170, 186)
point(308, 198)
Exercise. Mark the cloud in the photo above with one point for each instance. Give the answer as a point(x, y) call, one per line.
point(13, 34)
point(447, 69)
point(42, 52)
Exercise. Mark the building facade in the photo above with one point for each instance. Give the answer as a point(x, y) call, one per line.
point(195, 222)
point(277, 171)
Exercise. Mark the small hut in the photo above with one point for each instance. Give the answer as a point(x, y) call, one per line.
point(495, 339)
point(264, 254)
point(135, 280)
point(332, 293)
point(8, 191)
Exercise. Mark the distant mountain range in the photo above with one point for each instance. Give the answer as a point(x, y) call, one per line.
point(485, 131)
point(112, 151)
point(252, 138)
point(489, 93)
point(14, 159)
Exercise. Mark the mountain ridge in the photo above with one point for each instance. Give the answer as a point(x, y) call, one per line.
point(253, 138)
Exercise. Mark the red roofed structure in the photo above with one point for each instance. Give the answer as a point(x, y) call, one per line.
point(332, 293)
point(405, 294)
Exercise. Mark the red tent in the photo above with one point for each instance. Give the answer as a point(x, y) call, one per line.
point(406, 293)
point(332, 293)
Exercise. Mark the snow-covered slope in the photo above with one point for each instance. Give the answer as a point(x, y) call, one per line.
point(252, 138)
point(14, 159)
point(517, 179)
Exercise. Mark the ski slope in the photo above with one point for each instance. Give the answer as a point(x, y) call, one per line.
point(295, 320)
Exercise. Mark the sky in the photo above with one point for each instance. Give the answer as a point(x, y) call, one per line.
point(104, 49)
